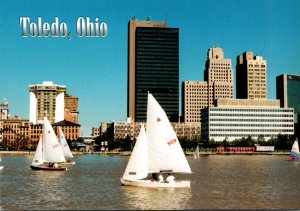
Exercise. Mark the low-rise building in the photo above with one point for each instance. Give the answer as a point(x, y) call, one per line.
point(237, 118)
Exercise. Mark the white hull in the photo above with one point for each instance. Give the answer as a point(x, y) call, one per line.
point(150, 184)
point(1, 167)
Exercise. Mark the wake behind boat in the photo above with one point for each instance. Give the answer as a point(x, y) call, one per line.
point(49, 154)
point(157, 151)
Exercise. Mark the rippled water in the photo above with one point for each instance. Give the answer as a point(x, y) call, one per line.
point(217, 182)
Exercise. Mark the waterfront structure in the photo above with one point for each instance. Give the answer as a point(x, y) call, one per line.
point(287, 91)
point(18, 132)
point(218, 83)
point(95, 131)
point(46, 99)
point(71, 130)
point(232, 119)
point(153, 65)
point(123, 130)
point(71, 108)
point(251, 76)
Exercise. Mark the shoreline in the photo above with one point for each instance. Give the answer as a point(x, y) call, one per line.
point(128, 153)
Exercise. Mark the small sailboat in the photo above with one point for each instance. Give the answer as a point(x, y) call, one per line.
point(1, 167)
point(196, 153)
point(65, 147)
point(48, 153)
point(157, 151)
point(294, 154)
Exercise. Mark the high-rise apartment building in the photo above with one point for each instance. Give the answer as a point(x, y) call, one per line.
point(287, 91)
point(153, 65)
point(251, 77)
point(46, 99)
point(218, 83)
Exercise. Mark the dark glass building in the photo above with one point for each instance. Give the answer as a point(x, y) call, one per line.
point(156, 70)
point(287, 91)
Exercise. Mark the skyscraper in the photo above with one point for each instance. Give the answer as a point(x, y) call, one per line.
point(218, 83)
point(287, 91)
point(251, 77)
point(218, 74)
point(153, 65)
point(46, 99)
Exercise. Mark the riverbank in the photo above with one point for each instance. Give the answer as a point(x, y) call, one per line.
point(127, 153)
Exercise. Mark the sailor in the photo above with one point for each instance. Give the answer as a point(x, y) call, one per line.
point(160, 178)
point(170, 178)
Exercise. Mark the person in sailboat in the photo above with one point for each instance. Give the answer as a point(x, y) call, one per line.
point(170, 178)
point(160, 178)
point(153, 178)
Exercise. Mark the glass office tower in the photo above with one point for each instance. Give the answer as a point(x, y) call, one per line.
point(156, 69)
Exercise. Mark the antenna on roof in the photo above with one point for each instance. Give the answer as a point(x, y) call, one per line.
point(166, 17)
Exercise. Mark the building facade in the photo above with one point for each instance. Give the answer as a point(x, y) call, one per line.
point(71, 108)
point(123, 130)
point(46, 99)
point(153, 65)
point(251, 77)
point(237, 118)
point(287, 91)
point(18, 133)
point(218, 83)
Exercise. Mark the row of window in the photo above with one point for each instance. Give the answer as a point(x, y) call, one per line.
point(252, 120)
point(253, 130)
point(254, 115)
point(252, 110)
point(252, 125)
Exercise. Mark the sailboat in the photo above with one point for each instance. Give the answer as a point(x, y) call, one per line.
point(196, 153)
point(295, 150)
point(48, 153)
point(65, 147)
point(157, 151)
point(1, 167)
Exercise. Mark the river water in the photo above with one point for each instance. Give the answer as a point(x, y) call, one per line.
point(217, 182)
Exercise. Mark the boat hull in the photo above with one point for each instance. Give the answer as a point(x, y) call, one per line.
point(150, 184)
point(47, 168)
point(1, 167)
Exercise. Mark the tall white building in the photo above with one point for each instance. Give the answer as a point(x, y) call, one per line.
point(46, 99)
point(237, 118)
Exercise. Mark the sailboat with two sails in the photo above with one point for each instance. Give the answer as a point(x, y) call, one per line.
point(157, 151)
point(49, 154)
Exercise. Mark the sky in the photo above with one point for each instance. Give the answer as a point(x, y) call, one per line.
point(95, 69)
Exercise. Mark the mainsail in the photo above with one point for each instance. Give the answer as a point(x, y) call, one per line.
point(165, 152)
point(52, 149)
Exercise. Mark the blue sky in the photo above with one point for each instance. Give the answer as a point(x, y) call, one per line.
point(95, 69)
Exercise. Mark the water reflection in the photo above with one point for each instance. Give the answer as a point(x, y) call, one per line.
point(156, 198)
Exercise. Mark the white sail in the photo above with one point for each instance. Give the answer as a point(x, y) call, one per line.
point(196, 153)
point(137, 167)
point(64, 145)
point(165, 152)
point(295, 150)
point(38, 156)
point(52, 149)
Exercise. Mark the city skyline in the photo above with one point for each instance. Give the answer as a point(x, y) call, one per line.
point(95, 69)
